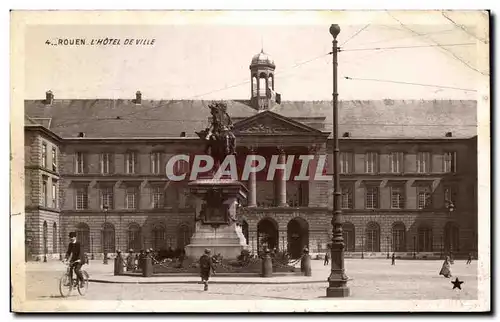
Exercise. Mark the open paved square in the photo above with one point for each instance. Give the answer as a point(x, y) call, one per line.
point(370, 279)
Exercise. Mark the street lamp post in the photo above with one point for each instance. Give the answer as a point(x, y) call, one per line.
point(362, 247)
point(60, 247)
point(388, 249)
point(105, 260)
point(92, 248)
point(442, 248)
point(414, 247)
point(337, 281)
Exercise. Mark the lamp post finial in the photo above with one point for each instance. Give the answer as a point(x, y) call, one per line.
point(334, 30)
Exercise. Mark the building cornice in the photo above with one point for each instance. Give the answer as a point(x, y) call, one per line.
point(41, 208)
point(44, 130)
point(111, 212)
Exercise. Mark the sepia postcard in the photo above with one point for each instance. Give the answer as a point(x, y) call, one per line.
point(250, 161)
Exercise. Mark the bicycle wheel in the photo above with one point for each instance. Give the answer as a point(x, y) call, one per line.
point(65, 285)
point(83, 290)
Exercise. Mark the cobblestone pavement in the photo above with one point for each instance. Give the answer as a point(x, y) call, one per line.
point(371, 279)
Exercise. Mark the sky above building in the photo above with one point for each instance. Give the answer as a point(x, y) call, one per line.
point(211, 61)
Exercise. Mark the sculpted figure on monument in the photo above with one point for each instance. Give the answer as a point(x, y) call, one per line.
point(221, 141)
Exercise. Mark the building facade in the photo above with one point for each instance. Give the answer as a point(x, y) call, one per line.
point(98, 167)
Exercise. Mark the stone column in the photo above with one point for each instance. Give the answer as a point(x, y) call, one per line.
point(252, 181)
point(311, 171)
point(281, 179)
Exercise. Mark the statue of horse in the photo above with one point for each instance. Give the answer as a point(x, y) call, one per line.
point(221, 142)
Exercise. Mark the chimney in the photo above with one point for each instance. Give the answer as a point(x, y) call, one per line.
point(346, 135)
point(81, 135)
point(449, 134)
point(49, 97)
point(183, 134)
point(138, 97)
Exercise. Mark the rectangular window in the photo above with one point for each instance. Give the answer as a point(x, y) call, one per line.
point(371, 193)
point(54, 159)
point(450, 193)
point(158, 198)
point(131, 200)
point(397, 197)
point(346, 164)
point(155, 162)
point(105, 163)
point(44, 193)
point(449, 162)
point(347, 198)
point(54, 194)
point(423, 162)
point(79, 164)
point(371, 162)
point(130, 161)
point(81, 198)
point(44, 155)
point(397, 161)
point(107, 197)
point(424, 197)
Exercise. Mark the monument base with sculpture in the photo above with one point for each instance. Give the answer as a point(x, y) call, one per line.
point(216, 227)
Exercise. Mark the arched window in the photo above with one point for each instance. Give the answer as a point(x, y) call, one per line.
point(267, 234)
point(183, 236)
point(398, 237)
point(298, 236)
point(45, 238)
point(372, 243)
point(83, 236)
point(254, 86)
point(262, 84)
point(451, 237)
point(108, 238)
point(349, 236)
point(159, 237)
point(54, 238)
point(134, 237)
point(244, 230)
point(271, 81)
point(424, 238)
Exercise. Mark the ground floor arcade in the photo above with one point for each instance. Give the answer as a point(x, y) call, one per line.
point(290, 229)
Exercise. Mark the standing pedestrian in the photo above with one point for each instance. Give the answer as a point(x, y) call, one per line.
point(327, 258)
point(446, 268)
point(393, 259)
point(469, 259)
point(206, 268)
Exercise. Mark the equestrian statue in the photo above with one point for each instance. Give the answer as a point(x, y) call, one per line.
point(221, 141)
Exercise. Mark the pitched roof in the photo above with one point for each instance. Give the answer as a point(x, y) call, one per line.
point(168, 118)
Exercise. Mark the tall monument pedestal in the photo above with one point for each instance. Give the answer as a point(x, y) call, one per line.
point(216, 227)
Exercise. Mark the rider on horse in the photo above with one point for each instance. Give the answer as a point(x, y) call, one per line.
point(222, 141)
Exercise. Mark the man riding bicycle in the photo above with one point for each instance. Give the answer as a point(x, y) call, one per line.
point(76, 258)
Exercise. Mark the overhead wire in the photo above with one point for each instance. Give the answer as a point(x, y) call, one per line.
point(409, 83)
point(408, 47)
point(354, 35)
point(463, 28)
point(444, 48)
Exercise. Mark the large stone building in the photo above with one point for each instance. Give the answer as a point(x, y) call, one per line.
point(408, 172)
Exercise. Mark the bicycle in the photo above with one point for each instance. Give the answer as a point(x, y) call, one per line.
point(66, 284)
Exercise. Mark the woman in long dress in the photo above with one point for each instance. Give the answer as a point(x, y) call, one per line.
point(446, 269)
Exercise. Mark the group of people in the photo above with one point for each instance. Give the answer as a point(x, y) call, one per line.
point(448, 261)
point(134, 261)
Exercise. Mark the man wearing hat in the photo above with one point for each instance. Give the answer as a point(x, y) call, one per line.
point(76, 258)
point(206, 267)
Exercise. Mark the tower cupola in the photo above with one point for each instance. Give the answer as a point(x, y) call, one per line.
point(262, 69)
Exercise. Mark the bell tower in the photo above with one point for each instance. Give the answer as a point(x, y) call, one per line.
point(262, 69)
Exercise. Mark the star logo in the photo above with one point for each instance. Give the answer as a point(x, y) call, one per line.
point(457, 283)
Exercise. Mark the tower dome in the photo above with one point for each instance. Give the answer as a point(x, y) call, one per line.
point(262, 59)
